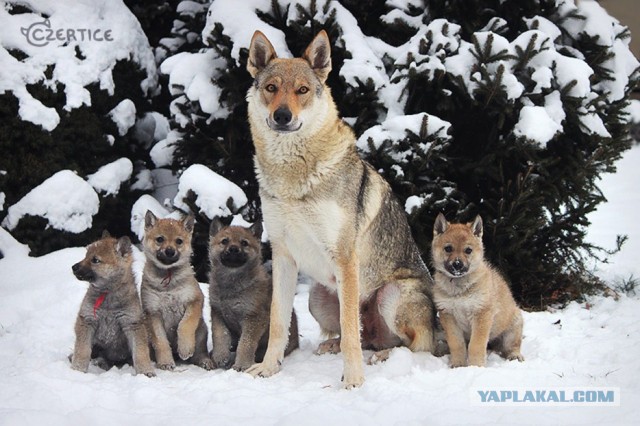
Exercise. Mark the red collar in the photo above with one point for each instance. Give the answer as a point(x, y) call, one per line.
point(167, 279)
point(98, 303)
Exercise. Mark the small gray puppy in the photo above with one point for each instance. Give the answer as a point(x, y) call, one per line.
point(110, 328)
point(240, 296)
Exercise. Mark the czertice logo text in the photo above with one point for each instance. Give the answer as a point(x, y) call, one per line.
point(40, 34)
point(590, 396)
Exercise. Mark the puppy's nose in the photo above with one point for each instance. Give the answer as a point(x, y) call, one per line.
point(234, 249)
point(169, 252)
point(282, 116)
point(457, 264)
point(75, 267)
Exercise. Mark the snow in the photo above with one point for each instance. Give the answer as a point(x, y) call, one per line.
point(162, 152)
point(66, 200)
point(536, 125)
point(110, 176)
point(27, 32)
point(585, 345)
point(139, 210)
point(215, 194)
point(124, 115)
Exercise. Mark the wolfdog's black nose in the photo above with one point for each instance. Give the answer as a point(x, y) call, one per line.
point(75, 267)
point(457, 264)
point(169, 252)
point(282, 116)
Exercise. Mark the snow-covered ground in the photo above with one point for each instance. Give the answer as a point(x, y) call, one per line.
point(584, 346)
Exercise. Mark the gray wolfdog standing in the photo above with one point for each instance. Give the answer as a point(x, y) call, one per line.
point(330, 215)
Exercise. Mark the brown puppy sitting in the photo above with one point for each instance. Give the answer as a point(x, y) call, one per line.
point(171, 296)
point(240, 296)
point(474, 301)
point(110, 326)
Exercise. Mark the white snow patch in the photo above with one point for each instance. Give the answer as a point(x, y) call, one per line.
point(535, 124)
point(124, 115)
point(139, 210)
point(66, 200)
point(213, 192)
point(109, 177)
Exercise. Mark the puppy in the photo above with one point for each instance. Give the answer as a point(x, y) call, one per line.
point(171, 297)
point(240, 295)
point(474, 301)
point(110, 326)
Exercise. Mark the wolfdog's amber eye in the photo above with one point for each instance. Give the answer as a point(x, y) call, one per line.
point(271, 88)
point(179, 241)
point(160, 240)
point(302, 90)
point(94, 259)
point(448, 248)
point(468, 250)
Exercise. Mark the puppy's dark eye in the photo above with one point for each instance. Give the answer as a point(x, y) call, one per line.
point(244, 243)
point(159, 240)
point(224, 241)
point(95, 260)
point(271, 88)
point(448, 249)
point(468, 250)
point(179, 241)
point(303, 89)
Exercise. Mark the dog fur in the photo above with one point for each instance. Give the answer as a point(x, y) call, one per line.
point(474, 301)
point(240, 297)
point(330, 215)
point(171, 296)
point(110, 327)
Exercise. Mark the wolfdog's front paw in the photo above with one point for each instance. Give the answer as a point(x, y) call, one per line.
point(264, 369)
point(82, 366)
point(147, 371)
point(186, 347)
point(458, 361)
point(352, 379)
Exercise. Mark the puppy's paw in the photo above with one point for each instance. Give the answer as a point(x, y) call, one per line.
point(186, 347)
point(478, 361)
point(222, 359)
point(81, 366)
point(169, 366)
point(206, 363)
point(264, 369)
point(352, 380)
point(515, 356)
point(379, 357)
point(147, 371)
point(331, 346)
point(457, 361)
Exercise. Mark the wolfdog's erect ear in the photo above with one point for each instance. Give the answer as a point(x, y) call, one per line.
point(150, 220)
point(256, 229)
point(318, 54)
point(123, 246)
point(440, 226)
point(188, 222)
point(105, 234)
point(476, 227)
point(216, 226)
point(261, 52)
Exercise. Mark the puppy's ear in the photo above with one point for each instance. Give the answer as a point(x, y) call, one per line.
point(150, 220)
point(188, 222)
point(318, 54)
point(476, 227)
point(440, 226)
point(261, 52)
point(123, 246)
point(216, 226)
point(105, 234)
point(256, 229)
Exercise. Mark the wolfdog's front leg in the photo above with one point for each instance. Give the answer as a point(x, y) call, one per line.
point(285, 275)
point(187, 328)
point(82, 350)
point(349, 296)
point(139, 344)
